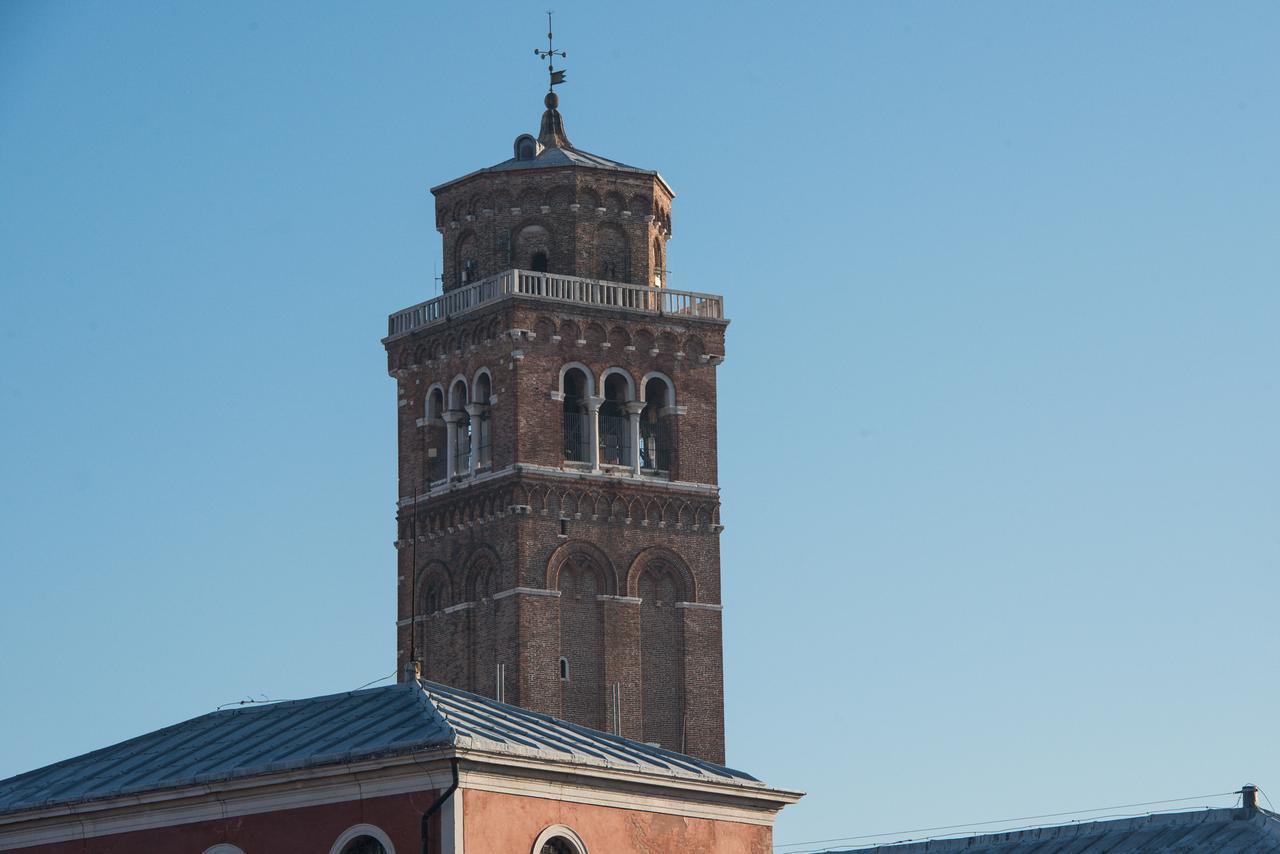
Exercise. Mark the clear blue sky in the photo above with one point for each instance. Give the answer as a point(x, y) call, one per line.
point(999, 417)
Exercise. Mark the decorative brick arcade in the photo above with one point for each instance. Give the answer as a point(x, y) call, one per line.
point(559, 513)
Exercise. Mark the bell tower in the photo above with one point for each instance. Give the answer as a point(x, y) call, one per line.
point(558, 515)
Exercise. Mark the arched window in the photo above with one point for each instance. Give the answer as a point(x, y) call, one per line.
point(363, 839)
point(581, 579)
point(461, 434)
point(657, 426)
point(575, 388)
point(436, 441)
point(662, 671)
point(615, 429)
point(558, 839)
point(564, 669)
point(481, 429)
point(364, 845)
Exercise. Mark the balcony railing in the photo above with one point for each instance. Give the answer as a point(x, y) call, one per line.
point(552, 286)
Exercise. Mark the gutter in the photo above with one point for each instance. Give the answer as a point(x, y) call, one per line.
point(435, 807)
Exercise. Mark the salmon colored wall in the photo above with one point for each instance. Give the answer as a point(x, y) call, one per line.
point(312, 830)
point(509, 824)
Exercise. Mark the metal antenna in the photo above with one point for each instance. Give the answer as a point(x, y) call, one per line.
point(550, 55)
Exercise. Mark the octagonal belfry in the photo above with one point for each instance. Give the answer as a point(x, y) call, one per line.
point(559, 514)
point(553, 208)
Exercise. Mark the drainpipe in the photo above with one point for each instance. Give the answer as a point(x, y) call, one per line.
point(435, 807)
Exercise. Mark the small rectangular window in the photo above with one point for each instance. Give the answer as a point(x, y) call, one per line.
point(564, 527)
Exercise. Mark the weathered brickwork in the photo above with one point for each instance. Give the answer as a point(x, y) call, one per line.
point(541, 556)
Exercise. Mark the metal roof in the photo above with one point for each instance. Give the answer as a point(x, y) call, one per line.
point(1209, 831)
point(334, 729)
point(553, 157)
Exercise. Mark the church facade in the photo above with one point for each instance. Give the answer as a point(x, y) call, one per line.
point(558, 512)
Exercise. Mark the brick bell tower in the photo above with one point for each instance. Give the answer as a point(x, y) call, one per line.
point(558, 510)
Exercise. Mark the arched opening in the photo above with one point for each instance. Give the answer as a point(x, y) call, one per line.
point(466, 263)
point(657, 427)
point(564, 669)
point(613, 253)
point(436, 441)
point(659, 268)
point(482, 423)
point(558, 845)
point(364, 845)
point(533, 248)
point(615, 430)
point(461, 428)
point(576, 426)
point(662, 673)
point(581, 579)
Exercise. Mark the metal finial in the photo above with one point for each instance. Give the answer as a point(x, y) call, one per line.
point(550, 55)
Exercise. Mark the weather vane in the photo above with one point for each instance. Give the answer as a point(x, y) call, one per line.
point(550, 55)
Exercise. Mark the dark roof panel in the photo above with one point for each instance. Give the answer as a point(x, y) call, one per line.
point(1209, 831)
point(334, 729)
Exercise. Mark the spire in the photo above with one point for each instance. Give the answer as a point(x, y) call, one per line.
point(551, 134)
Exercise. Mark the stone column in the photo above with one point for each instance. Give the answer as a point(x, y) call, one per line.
point(593, 431)
point(451, 419)
point(475, 410)
point(634, 408)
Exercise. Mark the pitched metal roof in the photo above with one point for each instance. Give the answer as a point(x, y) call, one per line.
point(552, 157)
point(1210, 831)
point(338, 728)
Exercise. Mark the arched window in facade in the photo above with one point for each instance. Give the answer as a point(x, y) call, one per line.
point(657, 426)
point(363, 839)
point(576, 388)
point(364, 845)
point(581, 639)
point(459, 429)
point(533, 248)
point(662, 664)
point(481, 424)
point(613, 253)
point(436, 444)
point(615, 429)
point(558, 839)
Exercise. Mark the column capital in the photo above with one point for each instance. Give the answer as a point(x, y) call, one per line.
point(475, 410)
point(635, 407)
point(453, 416)
point(593, 404)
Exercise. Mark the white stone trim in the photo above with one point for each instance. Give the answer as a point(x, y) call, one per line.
point(658, 375)
point(224, 848)
point(461, 606)
point(526, 591)
point(567, 366)
point(442, 487)
point(626, 375)
point(626, 600)
point(620, 789)
point(452, 824)
point(564, 833)
point(358, 830)
point(214, 801)
point(511, 770)
point(702, 606)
